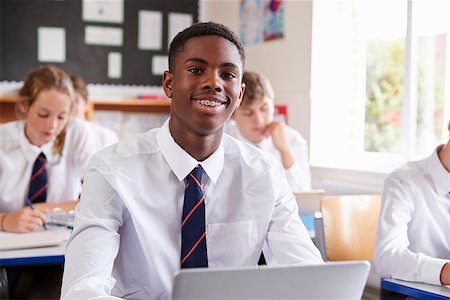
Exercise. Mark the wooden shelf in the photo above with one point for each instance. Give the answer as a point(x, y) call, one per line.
point(158, 106)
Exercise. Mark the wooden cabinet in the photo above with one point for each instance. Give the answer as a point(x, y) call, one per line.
point(159, 106)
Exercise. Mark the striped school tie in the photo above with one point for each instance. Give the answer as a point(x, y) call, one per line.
point(38, 180)
point(193, 229)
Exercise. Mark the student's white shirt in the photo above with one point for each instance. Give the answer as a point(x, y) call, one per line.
point(413, 239)
point(127, 235)
point(17, 156)
point(104, 136)
point(299, 174)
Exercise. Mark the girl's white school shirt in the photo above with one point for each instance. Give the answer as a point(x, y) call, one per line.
point(17, 156)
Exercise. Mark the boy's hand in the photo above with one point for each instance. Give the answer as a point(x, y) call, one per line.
point(24, 220)
point(276, 131)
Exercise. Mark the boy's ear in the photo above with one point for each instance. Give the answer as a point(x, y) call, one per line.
point(167, 83)
point(241, 96)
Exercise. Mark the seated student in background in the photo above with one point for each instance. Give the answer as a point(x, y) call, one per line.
point(413, 240)
point(253, 122)
point(184, 195)
point(44, 154)
point(103, 135)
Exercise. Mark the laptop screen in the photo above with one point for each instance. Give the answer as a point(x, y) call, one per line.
point(331, 280)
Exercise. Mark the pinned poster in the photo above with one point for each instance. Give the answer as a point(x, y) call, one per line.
point(51, 44)
point(108, 11)
point(261, 20)
point(280, 113)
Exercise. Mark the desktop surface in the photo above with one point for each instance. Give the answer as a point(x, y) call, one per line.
point(416, 289)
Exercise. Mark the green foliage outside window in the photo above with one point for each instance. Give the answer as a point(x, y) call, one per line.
point(384, 86)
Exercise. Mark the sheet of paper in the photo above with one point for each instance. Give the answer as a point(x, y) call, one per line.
point(106, 36)
point(51, 237)
point(114, 65)
point(109, 11)
point(150, 30)
point(51, 44)
point(159, 64)
point(178, 22)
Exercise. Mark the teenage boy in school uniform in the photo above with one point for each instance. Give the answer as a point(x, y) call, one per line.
point(130, 226)
point(413, 239)
point(253, 122)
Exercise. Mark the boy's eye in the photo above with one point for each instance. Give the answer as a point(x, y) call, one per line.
point(195, 70)
point(247, 113)
point(42, 115)
point(62, 117)
point(228, 75)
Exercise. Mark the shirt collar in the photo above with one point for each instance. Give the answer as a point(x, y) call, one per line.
point(31, 151)
point(439, 175)
point(181, 162)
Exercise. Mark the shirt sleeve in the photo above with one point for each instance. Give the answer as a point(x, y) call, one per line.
point(299, 174)
point(287, 238)
point(94, 243)
point(393, 258)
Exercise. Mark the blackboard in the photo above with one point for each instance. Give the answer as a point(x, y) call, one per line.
point(20, 20)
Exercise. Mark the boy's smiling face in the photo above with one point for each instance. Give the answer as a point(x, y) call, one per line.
point(205, 85)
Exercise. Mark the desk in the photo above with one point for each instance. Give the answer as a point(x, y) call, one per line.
point(30, 256)
point(416, 289)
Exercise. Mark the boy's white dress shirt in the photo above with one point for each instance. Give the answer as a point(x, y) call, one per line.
point(127, 235)
point(17, 156)
point(299, 174)
point(413, 239)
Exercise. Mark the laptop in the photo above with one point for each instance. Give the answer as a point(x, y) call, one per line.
point(309, 201)
point(331, 280)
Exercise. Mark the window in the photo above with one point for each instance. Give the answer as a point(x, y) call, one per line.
point(380, 82)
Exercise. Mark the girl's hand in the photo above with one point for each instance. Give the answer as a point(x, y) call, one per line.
point(24, 220)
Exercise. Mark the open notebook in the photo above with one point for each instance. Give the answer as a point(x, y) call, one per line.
point(331, 280)
point(43, 238)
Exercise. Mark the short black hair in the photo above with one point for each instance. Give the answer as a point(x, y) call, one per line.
point(202, 29)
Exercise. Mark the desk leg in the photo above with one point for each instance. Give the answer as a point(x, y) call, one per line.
point(3, 284)
point(320, 236)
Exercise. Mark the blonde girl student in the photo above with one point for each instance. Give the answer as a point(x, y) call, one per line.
point(43, 154)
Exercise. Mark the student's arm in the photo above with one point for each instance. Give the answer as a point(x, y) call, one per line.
point(293, 150)
point(393, 258)
point(287, 237)
point(94, 243)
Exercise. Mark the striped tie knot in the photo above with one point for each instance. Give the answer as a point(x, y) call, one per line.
point(38, 180)
point(193, 228)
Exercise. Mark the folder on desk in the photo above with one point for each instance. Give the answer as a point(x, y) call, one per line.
point(44, 238)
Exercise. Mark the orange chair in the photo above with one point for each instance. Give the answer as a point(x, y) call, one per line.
point(350, 226)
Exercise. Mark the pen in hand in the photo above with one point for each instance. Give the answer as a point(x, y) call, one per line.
point(30, 205)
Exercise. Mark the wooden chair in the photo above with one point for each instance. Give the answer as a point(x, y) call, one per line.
point(350, 226)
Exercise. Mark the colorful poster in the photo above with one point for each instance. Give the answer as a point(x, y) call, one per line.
point(261, 20)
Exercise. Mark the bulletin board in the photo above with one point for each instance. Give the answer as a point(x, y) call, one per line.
point(123, 42)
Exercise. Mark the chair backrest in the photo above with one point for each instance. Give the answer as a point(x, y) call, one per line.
point(350, 226)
